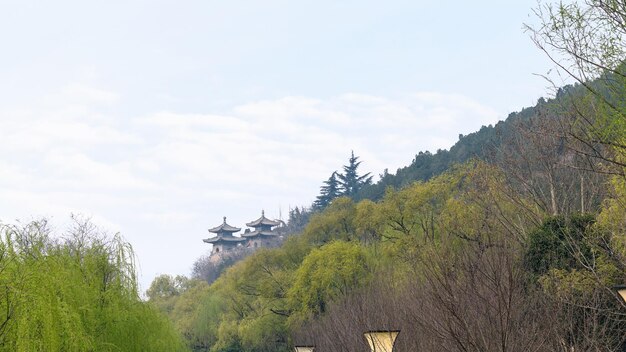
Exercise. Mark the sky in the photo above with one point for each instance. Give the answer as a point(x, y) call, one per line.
point(157, 118)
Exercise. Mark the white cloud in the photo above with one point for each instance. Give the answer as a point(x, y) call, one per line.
point(362, 99)
point(37, 134)
point(78, 171)
point(187, 122)
point(80, 94)
point(164, 177)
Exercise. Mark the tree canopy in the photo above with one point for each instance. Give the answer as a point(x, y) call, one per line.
point(350, 180)
point(329, 191)
point(74, 294)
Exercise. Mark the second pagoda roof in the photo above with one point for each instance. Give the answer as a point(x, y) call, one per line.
point(259, 233)
point(263, 221)
point(224, 227)
point(223, 239)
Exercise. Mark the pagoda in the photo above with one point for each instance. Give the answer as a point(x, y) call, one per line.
point(263, 235)
point(224, 239)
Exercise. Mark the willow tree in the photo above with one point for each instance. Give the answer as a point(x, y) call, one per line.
point(75, 293)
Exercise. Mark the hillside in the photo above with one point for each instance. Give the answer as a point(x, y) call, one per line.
point(488, 144)
point(148, 118)
point(498, 231)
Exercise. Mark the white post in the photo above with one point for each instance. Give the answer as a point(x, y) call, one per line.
point(381, 341)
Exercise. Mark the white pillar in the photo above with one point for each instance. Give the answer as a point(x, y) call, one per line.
point(381, 341)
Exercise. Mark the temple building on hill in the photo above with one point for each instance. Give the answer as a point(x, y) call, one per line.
point(263, 235)
point(224, 240)
point(267, 233)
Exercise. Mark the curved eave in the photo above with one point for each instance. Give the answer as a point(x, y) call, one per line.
point(263, 221)
point(224, 228)
point(259, 233)
point(223, 239)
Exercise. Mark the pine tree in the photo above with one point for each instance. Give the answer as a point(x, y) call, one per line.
point(298, 219)
point(350, 180)
point(329, 191)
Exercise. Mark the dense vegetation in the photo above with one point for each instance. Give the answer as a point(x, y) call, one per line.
point(483, 144)
point(461, 261)
point(509, 241)
point(74, 293)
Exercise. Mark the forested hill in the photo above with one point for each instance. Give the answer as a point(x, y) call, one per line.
point(483, 144)
point(510, 241)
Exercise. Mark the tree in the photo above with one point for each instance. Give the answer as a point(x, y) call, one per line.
point(335, 222)
point(78, 293)
point(329, 191)
point(164, 286)
point(350, 181)
point(298, 219)
point(539, 162)
point(327, 273)
point(586, 41)
point(204, 268)
point(572, 261)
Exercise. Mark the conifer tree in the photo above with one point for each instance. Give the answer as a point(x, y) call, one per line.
point(298, 219)
point(329, 191)
point(350, 180)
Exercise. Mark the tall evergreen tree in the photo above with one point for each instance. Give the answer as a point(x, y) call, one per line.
point(329, 191)
point(350, 180)
point(298, 219)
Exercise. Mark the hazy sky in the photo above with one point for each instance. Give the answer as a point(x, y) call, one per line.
point(157, 118)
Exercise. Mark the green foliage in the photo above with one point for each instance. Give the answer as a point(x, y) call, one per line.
point(258, 303)
point(164, 286)
point(74, 295)
point(368, 221)
point(328, 192)
point(203, 318)
point(298, 219)
point(560, 243)
point(613, 215)
point(346, 184)
point(586, 42)
point(574, 262)
point(335, 222)
point(326, 274)
point(350, 180)
point(254, 295)
point(183, 313)
point(486, 144)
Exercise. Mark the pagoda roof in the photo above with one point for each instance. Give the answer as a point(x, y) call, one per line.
point(263, 221)
point(224, 227)
point(259, 233)
point(223, 239)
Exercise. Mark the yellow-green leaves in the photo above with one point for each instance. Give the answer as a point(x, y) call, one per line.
point(335, 222)
point(78, 294)
point(327, 273)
